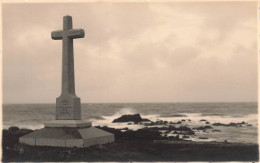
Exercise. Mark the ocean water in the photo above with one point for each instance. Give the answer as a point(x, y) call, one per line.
point(33, 116)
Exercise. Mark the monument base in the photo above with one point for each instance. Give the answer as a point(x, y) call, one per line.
point(67, 137)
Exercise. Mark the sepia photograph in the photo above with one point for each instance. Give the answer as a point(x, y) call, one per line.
point(140, 81)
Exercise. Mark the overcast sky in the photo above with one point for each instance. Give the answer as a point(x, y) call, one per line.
point(133, 52)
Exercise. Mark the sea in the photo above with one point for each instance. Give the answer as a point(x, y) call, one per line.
point(33, 116)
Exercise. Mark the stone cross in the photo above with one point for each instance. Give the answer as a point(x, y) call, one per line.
point(68, 104)
point(68, 130)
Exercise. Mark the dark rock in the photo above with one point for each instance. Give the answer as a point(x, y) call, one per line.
point(177, 115)
point(175, 138)
point(149, 124)
point(125, 128)
point(11, 136)
point(230, 124)
point(219, 124)
point(5, 131)
point(207, 123)
point(184, 129)
point(203, 128)
point(203, 120)
point(203, 138)
point(136, 118)
point(167, 132)
point(13, 130)
point(185, 136)
point(158, 122)
point(235, 124)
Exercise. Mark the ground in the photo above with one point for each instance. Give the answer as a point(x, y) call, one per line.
point(140, 145)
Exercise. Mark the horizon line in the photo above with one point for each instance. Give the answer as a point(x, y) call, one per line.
point(144, 102)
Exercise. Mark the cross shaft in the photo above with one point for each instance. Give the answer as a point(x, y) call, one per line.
point(67, 35)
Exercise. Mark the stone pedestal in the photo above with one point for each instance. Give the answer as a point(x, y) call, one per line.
point(67, 134)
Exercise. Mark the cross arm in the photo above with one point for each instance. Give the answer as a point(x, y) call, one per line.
point(57, 35)
point(76, 33)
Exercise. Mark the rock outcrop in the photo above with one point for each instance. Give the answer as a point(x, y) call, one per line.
point(136, 118)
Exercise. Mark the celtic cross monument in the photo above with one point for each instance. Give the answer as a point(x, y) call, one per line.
point(68, 129)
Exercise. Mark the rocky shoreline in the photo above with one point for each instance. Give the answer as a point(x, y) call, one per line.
point(154, 141)
point(186, 129)
point(147, 144)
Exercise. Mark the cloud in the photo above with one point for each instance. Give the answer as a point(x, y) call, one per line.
point(133, 52)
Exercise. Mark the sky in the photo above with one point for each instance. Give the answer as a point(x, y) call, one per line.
point(133, 52)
